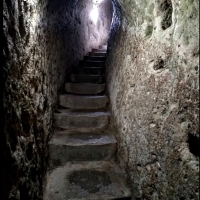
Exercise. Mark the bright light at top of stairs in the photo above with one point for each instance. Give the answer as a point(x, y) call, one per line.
point(94, 14)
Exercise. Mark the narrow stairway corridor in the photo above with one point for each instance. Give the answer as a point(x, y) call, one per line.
point(91, 122)
point(83, 149)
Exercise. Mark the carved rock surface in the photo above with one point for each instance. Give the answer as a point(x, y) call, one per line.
point(153, 79)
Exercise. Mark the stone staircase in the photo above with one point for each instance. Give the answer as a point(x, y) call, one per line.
point(82, 150)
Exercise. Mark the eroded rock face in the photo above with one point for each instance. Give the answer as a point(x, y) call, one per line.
point(42, 40)
point(154, 92)
point(27, 99)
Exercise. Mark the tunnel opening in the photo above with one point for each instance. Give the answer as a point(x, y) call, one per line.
point(78, 27)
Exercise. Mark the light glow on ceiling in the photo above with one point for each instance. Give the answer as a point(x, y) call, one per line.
point(97, 1)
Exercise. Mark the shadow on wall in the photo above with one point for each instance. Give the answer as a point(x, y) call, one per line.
point(74, 29)
point(115, 24)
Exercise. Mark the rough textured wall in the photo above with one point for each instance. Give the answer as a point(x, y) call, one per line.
point(154, 91)
point(27, 99)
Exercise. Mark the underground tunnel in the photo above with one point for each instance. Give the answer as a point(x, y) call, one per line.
point(150, 99)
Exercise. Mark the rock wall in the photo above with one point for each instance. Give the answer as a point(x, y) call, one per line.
point(27, 101)
point(153, 84)
point(42, 40)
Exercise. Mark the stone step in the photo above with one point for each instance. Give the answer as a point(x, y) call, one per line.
point(99, 50)
point(68, 146)
point(81, 120)
point(94, 180)
point(85, 88)
point(103, 47)
point(92, 70)
point(86, 78)
point(83, 102)
point(89, 70)
point(91, 63)
point(97, 54)
point(95, 58)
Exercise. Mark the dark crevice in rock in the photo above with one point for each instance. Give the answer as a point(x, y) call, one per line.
point(159, 64)
point(194, 144)
point(21, 21)
point(26, 119)
point(23, 192)
point(21, 26)
point(149, 31)
point(166, 8)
